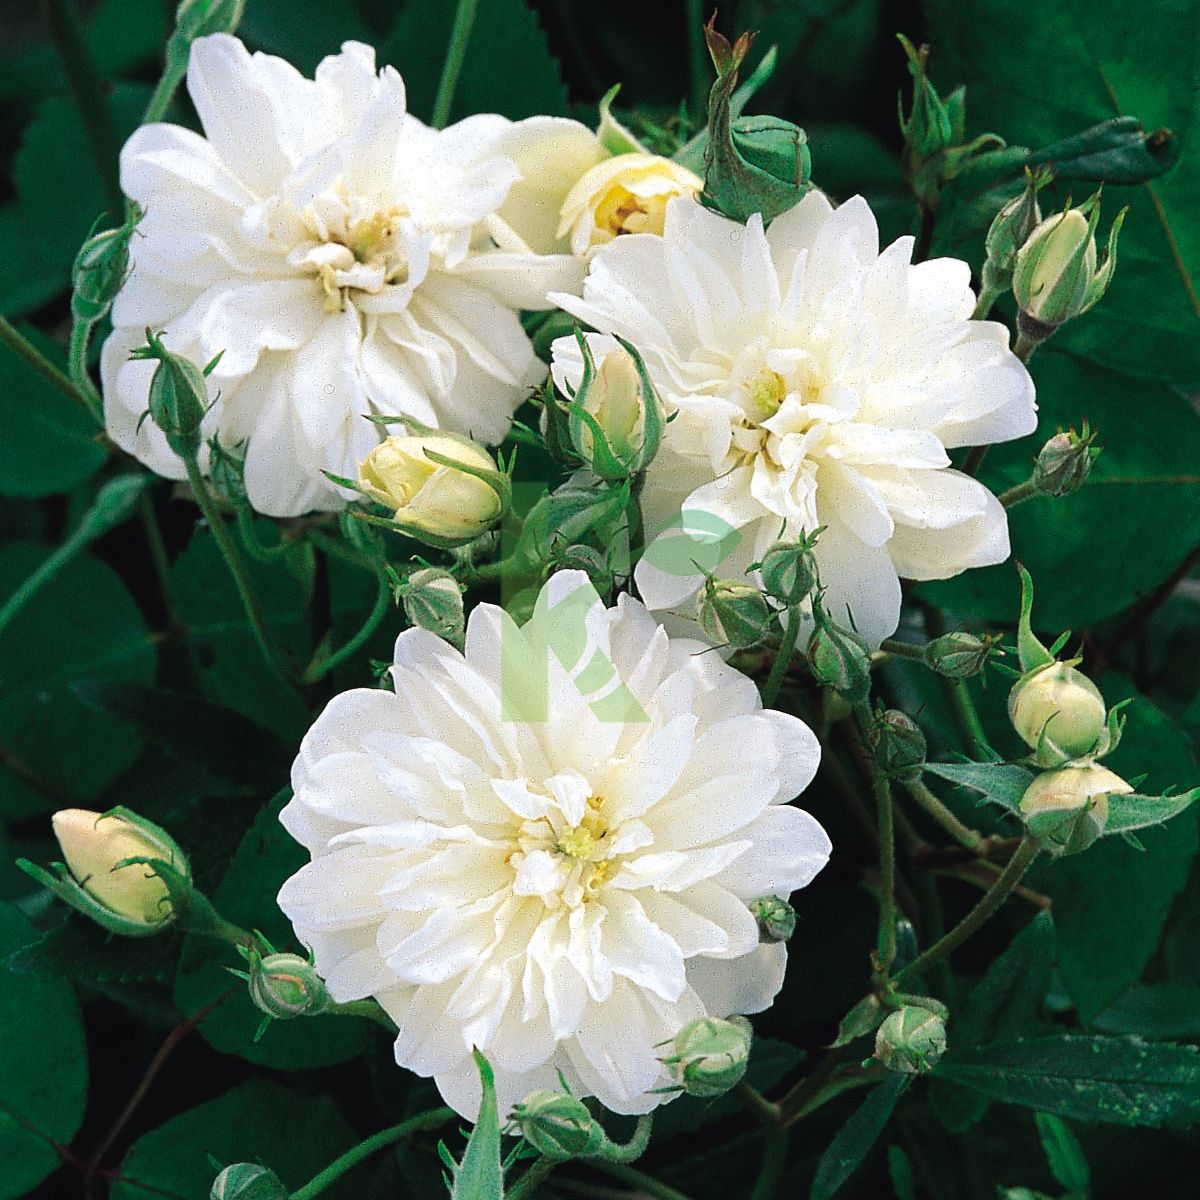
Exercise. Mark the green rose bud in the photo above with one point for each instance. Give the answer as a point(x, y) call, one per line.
point(776, 919)
point(930, 125)
point(433, 600)
point(124, 872)
point(839, 658)
point(99, 271)
point(1060, 713)
point(959, 655)
point(615, 418)
point(285, 985)
point(911, 1039)
point(248, 1181)
point(1057, 275)
point(558, 1125)
point(897, 744)
point(178, 395)
point(733, 613)
point(789, 571)
point(708, 1055)
point(1064, 463)
point(1010, 230)
point(1069, 807)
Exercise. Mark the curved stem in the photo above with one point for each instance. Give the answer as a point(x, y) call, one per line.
point(1025, 347)
point(530, 1181)
point(351, 1159)
point(77, 366)
point(991, 901)
point(253, 547)
point(966, 717)
point(634, 1148)
point(885, 819)
point(920, 792)
point(786, 648)
point(464, 18)
point(360, 639)
point(755, 1103)
point(974, 460)
point(987, 297)
point(33, 357)
point(237, 568)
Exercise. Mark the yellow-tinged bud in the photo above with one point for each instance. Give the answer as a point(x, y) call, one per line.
point(1060, 713)
point(452, 501)
point(130, 898)
point(627, 193)
point(1069, 807)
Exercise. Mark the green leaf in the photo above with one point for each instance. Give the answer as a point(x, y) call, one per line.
point(1063, 1153)
point(234, 675)
point(82, 625)
point(246, 896)
point(297, 1134)
point(854, 1141)
point(49, 443)
point(508, 67)
point(59, 195)
point(228, 744)
point(1081, 62)
point(1110, 902)
point(80, 950)
point(1144, 491)
point(1000, 783)
point(43, 1067)
point(1154, 1010)
point(480, 1175)
point(1124, 1081)
point(1005, 1003)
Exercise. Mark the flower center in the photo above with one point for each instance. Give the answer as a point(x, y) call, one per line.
point(765, 392)
point(620, 211)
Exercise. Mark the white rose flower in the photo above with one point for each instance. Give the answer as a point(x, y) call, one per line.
point(818, 382)
point(563, 892)
point(341, 256)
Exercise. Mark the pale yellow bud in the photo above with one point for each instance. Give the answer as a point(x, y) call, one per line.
point(615, 400)
point(1059, 710)
point(627, 193)
point(92, 846)
point(1054, 275)
point(1069, 807)
point(430, 497)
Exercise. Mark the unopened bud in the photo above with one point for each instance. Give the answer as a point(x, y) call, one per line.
point(897, 744)
point(708, 1056)
point(1057, 275)
point(613, 416)
point(1010, 230)
point(1064, 463)
point(789, 571)
point(100, 877)
point(285, 985)
point(443, 489)
point(1060, 713)
point(433, 600)
point(248, 1181)
point(839, 658)
point(199, 18)
point(911, 1040)
point(178, 395)
point(959, 655)
point(99, 271)
point(1069, 807)
point(558, 1125)
point(733, 613)
point(929, 127)
point(776, 919)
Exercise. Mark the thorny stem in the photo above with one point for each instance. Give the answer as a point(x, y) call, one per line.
point(1014, 495)
point(988, 905)
point(364, 1150)
point(464, 18)
point(920, 792)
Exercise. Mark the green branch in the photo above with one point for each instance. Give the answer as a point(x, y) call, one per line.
point(456, 52)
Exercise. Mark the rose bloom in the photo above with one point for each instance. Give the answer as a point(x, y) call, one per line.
point(560, 879)
point(817, 381)
point(343, 259)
